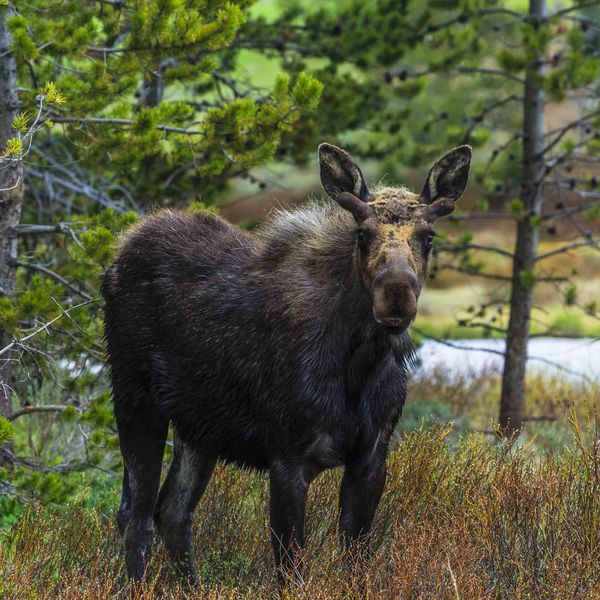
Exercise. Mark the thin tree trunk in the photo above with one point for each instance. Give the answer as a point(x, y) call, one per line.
point(151, 96)
point(512, 401)
point(11, 198)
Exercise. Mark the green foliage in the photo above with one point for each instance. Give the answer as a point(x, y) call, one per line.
point(568, 323)
point(571, 295)
point(142, 106)
point(6, 431)
point(512, 62)
point(421, 413)
point(155, 104)
point(527, 277)
point(516, 208)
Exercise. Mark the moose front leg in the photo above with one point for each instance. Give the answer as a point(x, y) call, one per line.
point(289, 488)
point(360, 493)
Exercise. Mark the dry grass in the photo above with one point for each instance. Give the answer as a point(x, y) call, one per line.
point(472, 403)
point(471, 519)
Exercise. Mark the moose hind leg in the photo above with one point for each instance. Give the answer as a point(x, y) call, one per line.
point(142, 438)
point(186, 481)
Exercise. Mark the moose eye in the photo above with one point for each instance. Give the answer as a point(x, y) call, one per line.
point(428, 240)
point(363, 237)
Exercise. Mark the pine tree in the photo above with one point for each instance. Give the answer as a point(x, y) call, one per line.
point(108, 109)
point(406, 80)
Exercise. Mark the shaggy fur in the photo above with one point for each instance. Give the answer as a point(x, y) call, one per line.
point(261, 350)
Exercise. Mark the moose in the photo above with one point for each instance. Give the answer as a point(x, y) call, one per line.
point(285, 350)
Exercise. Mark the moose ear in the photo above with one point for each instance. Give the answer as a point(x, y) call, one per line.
point(447, 179)
point(339, 173)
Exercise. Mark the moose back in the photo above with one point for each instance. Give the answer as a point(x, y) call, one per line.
point(286, 350)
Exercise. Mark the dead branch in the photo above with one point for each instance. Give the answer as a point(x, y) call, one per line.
point(470, 246)
point(563, 249)
point(45, 326)
point(28, 410)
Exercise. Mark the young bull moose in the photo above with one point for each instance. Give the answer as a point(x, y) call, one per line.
point(286, 350)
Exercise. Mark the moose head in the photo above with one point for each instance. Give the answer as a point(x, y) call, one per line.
point(395, 228)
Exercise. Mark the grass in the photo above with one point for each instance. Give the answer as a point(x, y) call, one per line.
point(471, 403)
point(467, 518)
point(462, 516)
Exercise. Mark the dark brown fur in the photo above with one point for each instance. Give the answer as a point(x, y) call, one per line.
point(285, 351)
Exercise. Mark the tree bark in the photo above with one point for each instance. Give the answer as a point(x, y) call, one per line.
point(11, 198)
point(512, 401)
point(151, 95)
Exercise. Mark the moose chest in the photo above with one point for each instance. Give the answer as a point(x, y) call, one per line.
point(357, 400)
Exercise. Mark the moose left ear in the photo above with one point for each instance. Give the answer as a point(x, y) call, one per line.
point(447, 179)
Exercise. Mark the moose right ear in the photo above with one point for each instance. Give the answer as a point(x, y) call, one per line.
point(339, 173)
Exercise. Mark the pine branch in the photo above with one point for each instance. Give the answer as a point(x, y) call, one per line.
point(477, 119)
point(108, 121)
point(573, 210)
point(117, 4)
point(56, 277)
point(499, 149)
point(483, 215)
point(492, 72)
point(45, 326)
point(486, 12)
point(579, 6)
point(562, 131)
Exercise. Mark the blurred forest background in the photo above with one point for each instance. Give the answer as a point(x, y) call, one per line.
point(110, 109)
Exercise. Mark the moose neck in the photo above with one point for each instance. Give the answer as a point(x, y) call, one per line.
point(311, 254)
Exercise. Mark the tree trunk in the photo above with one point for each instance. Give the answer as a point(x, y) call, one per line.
point(512, 401)
point(11, 199)
point(151, 95)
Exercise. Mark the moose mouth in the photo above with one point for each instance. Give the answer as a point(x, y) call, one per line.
point(395, 325)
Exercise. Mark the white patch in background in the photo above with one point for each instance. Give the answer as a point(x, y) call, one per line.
point(576, 359)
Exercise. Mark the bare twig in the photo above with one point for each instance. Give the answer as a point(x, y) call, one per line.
point(562, 131)
point(545, 361)
point(563, 249)
point(475, 272)
point(41, 408)
point(471, 246)
point(45, 326)
point(534, 418)
point(77, 188)
point(31, 229)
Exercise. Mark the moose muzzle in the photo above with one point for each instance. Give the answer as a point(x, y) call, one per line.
point(395, 292)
